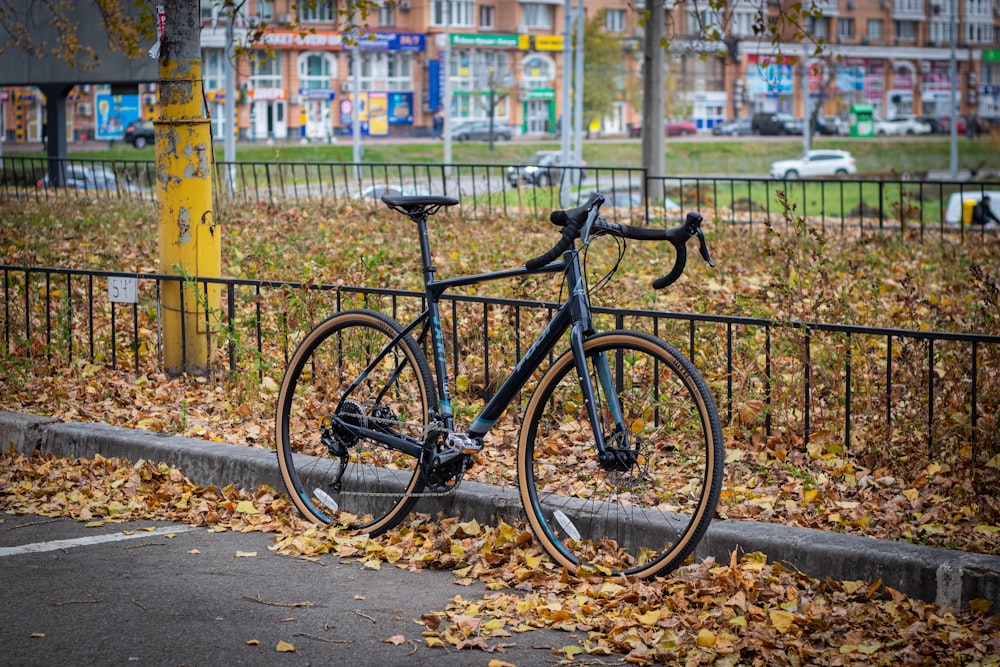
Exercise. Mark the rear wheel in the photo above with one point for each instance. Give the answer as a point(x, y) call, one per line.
point(332, 373)
point(644, 512)
point(140, 142)
point(791, 175)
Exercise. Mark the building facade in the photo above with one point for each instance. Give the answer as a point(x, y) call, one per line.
point(505, 58)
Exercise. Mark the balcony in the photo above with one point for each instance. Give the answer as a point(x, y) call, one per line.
point(909, 10)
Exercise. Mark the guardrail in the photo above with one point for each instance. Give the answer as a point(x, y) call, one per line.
point(852, 385)
point(899, 205)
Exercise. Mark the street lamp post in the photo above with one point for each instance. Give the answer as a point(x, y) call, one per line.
point(953, 75)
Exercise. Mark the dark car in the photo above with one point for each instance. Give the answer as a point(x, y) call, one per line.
point(776, 122)
point(544, 168)
point(831, 126)
point(139, 133)
point(738, 127)
point(479, 130)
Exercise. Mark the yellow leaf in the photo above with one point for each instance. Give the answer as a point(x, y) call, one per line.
point(246, 507)
point(246, 554)
point(194, 552)
point(782, 620)
point(37, 635)
point(571, 650)
point(809, 496)
point(650, 618)
point(980, 605)
point(284, 647)
point(994, 462)
point(499, 663)
point(706, 638)
point(433, 641)
point(252, 642)
point(373, 564)
point(911, 494)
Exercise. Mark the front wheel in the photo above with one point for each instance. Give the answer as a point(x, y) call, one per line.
point(330, 473)
point(644, 512)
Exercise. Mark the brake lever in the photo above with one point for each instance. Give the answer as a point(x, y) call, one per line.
point(703, 247)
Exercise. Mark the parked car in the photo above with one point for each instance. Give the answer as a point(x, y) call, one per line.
point(946, 123)
point(139, 133)
point(737, 127)
point(937, 127)
point(542, 169)
point(901, 125)
point(775, 122)
point(89, 177)
point(479, 130)
point(672, 127)
point(678, 127)
point(815, 163)
point(831, 126)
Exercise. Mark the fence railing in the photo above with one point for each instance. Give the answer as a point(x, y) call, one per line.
point(488, 189)
point(849, 385)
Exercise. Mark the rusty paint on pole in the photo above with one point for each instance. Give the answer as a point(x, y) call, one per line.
point(189, 241)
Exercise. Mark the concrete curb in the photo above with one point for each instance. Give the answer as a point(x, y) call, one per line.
point(941, 576)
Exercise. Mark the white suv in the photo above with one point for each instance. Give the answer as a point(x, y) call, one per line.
point(815, 163)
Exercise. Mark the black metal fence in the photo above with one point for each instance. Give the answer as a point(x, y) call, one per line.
point(899, 204)
point(848, 386)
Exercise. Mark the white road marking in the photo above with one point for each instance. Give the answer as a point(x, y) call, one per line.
point(55, 545)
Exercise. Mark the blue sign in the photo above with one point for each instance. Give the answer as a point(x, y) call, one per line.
point(400, 108)
point(392, 41)
point(114, 112)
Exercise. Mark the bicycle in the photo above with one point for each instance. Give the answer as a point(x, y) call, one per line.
point(620, 453)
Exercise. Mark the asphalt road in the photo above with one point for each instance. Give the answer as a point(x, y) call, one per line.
point(188, 596)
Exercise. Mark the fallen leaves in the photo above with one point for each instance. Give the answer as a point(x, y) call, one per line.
point(748, 611)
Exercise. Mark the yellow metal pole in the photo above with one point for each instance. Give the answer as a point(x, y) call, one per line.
point(189, 242)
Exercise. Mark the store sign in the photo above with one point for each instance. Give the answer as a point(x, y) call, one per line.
point(267, 94)
point(549, 42)
point(491, 41)
point(410, 42)
point(317, 93)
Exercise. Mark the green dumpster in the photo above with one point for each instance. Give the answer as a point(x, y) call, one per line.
point(862, 120)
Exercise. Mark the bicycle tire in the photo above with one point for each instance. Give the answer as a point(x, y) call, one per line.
point(379, 482)
point(645, 520)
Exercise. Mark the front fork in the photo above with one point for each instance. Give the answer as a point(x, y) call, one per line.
point(620, 456)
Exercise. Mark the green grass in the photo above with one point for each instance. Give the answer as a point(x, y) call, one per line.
point(891, 156)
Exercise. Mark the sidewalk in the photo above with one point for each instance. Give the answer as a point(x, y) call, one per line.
point(935, 575)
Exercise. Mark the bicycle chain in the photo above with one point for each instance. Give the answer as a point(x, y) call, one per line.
point(427, 429)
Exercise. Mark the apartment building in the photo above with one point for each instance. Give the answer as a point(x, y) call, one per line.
point(893, 54)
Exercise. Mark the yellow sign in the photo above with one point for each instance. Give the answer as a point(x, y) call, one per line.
point(548, 43)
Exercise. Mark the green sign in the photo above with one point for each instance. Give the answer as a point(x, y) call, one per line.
point(539, 94)
point(991, 55)
point(499, 41)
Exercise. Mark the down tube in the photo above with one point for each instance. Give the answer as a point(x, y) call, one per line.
point(542, 346)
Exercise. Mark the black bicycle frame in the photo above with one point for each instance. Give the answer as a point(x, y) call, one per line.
point(574, 315)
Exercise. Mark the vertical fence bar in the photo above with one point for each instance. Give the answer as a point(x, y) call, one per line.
point(888, 386)
point(930, 392)
point(114, 342)
point(69, 317)
point(975, 374)
point(729, 372)
point(767, 378)
point(847, 397)
point(807, 378)
point(135, 336)
point(48, 317)
point(231, 316)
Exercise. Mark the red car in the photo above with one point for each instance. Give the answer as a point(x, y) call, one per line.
point(673, 127)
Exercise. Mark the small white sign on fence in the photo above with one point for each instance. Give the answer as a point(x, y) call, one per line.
point(123, 289)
